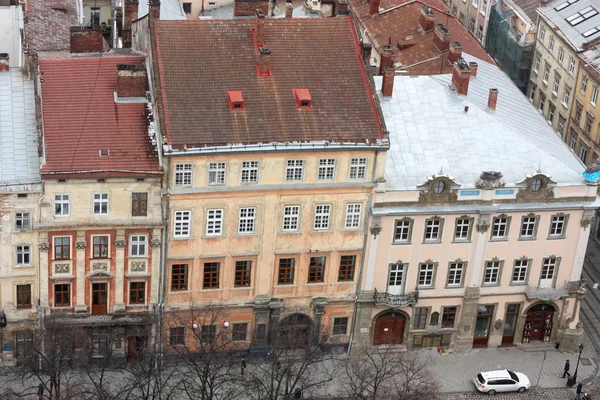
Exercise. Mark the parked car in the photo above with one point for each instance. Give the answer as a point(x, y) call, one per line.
point(493, 382)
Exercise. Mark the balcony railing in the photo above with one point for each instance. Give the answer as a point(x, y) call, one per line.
point(396, 300)
point(547, 294)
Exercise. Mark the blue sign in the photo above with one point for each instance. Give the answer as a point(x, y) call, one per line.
point(7, 346)
point(504, 192)
point(470, 192)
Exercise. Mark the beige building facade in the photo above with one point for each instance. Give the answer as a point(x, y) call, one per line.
point(474, 15)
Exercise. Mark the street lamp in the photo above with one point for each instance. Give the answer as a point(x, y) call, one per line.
point(573, 379)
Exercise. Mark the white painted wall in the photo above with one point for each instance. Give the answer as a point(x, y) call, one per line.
point(10, 37)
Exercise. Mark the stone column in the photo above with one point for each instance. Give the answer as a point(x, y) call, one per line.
point(80, 246)
point(584, 235)
point(362, 326)
point(156, 274)
point(44, 247)
point(483, 224)
point(120, 244)
point(262, 314)
point(375, 229)
point(318, 304)
point(468, 317)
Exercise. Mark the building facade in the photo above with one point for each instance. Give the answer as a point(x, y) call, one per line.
point(474, 15)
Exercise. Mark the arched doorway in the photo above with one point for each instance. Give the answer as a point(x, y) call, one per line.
point(389, 328)
point(538, 323)
point(295, 330)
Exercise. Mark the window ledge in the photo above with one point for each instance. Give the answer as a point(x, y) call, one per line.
point(400, 243)
point(353, 230)
point(527, 239)
point(564, 104)
point(555, 237)
point(344, 282)
point(316, 284)
point(284, 286)
point(290, 232)
point(245, 234)
point(436, 241)
point(454, 287)
point(23, 266)
point(179, 291)
point(145, 257)
point(206, 237)
point(210, 290)
point(242, 288)
point(317, 231)
point(490, 285)
point(502, 239)
point(182, 238)
point(137, 305)
point(425, 288)
point(460, 241)
point(518, 284)
point(62, 308)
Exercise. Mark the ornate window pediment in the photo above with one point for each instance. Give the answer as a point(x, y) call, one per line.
point(439, 188)
point(536, 187)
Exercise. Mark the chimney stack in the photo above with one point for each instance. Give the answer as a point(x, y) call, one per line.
point(374, 7)
point(154, 12)
point(387, 58)
point(259, 27)
point(441, 37)
point(493, 99)
point(455, 52)
point(387, 86)
point(86, 40)
point(289, 9)
point(341, 7)
point(131, 12)
point(461, 73)
point(366, 52)
point(427, 19)
point(132, 80)
point(4, 66)
point(264, 63)
point(473, 66)
point(119, 18)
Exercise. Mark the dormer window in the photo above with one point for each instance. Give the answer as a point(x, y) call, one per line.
point(303, 98)
point(536, 185)
point(104, 152)
point(439, 186)
point(236, 100)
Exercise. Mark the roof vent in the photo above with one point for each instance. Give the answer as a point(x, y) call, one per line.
point(104, 152)
point(236, 100)
point(4, 62)
point(303, 98)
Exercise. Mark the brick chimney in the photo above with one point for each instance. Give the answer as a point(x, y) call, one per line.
point(427, 19)
point(131, 12)
point(132, 80)
point(493, 99)
point(289, 9)
point(441, 37)
point(374, 7)
point(455, 52)
point(264, 63)
point(341, 7)
point(461, 73)
point(387, 86)
point(259, 28)
point(387, 58)
point(86, 40)
point(154, 12)
point(473, 66)
point(4, 62)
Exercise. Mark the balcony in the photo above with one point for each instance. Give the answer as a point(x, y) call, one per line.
point(547, 294)
point(396, 300)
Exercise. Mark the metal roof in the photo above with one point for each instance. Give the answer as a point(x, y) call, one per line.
point(578, 20)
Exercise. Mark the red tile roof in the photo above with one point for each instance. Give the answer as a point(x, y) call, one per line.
point(423, 57)
point(81, 118)
point(200, 61)
point(47, 24)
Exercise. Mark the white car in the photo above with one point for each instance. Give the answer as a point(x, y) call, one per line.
point(493, 382)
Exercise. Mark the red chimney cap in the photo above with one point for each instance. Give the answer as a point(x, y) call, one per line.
point(236, 100)
point(303, 98)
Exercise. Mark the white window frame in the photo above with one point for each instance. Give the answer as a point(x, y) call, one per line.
point(214, 222)
point(537, 62)
point(183, 175)
point(566, 96)
point(291, 218)
point(583, 153)
point(22, 251)
point(455, 269)
point(433, 226)
point(561, 54)
point(499, 226)
point(426, 275)
point(322, 217)
point(521, 267)
point(480, 32)
point(246, 220)
point(584, 82)
point(100, 200)
point(249, 172)
point(528, 225)
point(548, 268)
point(556, 84)
point(294, 170)
point(62, 201)
point(358, 168)
point(594, 97)
point(326, 169)
point(571, 65)
point(353, 216)
point(396, 275)
point(22, 218)
point(542, 34)
point(546, 75)
point(217, 173)
point(182, 224)
point(551, 43)
point(492, 266)
point(460, 226)
point(138, 245)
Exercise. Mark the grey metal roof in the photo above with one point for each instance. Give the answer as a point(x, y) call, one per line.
point(169, 10)
point(566, 10)
point(430, 131)
point(19, 162)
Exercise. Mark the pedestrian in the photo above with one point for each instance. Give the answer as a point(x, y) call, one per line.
point(578, 392)
point(567, 367)
point(244, 365)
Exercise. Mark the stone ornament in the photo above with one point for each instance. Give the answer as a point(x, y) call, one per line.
point(155, 243)
point(120, 244)
point(61, 268)
point(375, 230)
point(81, 245)
point(585, 223)
point(483, 226)
point(490, 180)
point(536, 187)
point(138, 266)
point(44, 246)
point(438, 189)
point(99, 267)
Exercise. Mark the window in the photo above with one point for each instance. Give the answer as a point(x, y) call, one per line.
point(347, 267)
point(99, 342)
point(472, 25)
point(246, 220)
point(403, 230)
point(358, 168)
point(455, 273)
point(557, 226)
point(584, 82)
point(396, 276)
point(528, 225)
point(137, 293)
point(448, 317)
point(426, 275)
point(62, 295)
point(139, 204)
point(326, 169)
point(239, 332)
point(214, 222)
point(551, 43)
point(542, 101)
point(249, 171)
point(561, 124)
point(286, 271)
point(520, 271)
point(581, 16)
point(23, 296)
point(100, 203)
point(594, 97)
point(100, 244)
point(211, 275)
point(542, 34)
point(187, 8)
point(182, 224)
point(61, 205)
point(23, 255)
point(589, 120)
point(340, 326)
point(294, 171)
point(177, 336)
point(561, 54)
point(583, 153)
point(216, 173)
point(556, 84)
point(433, 229)
point(183, 174)
point(546, 73)
point(353, 213)
point(536, 185)
point(290, 218)
point(462, 230)
point(578, 112)
point(316, 269)
point(571, 65)
point(22, 221)
point(551, 110)
point(492, 272)
point(536, 63)
point(532, 93)
point(62, 248)
point(548, 267)
point(480, 33)
point(138, 245)
point(500, 227)
point(420, 317)
point(322, 212)
point(573, 141)
point(208, 333)
point(179, 277)
point(243, 269)
point(439, 186)
point(566, 96)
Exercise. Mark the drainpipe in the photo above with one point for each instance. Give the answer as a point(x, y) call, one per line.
point(163, 265)
point(364, 254)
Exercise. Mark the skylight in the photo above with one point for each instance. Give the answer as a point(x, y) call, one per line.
point(591, 32)
point(565, 5)
point(582, 15)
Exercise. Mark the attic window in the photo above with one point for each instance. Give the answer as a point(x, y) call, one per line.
point(565, 5)
point(104, 152)
point(582, 15)
point(236, 100)
point(303, 98)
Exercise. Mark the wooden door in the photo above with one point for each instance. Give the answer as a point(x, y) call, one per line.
point(482, 325)
point(99, 298)
point(538, 320)
point(389, 329)
point(510, 320)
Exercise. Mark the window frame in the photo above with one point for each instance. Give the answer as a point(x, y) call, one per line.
point(180, 284)
point(445, 316)
point(408, 226)
point(520, 272)
point(292, 167)
point(462, 270)
point(353, 217)
point(338, 324)
point(182, 223)
point(566, 96)
point(215, 220)
point(430, 275)
point(495, 264)
point(235, 339)
point(100, 200)
point(594, 96)
point(61, 246)
point(211, 271)
point(179, 333)
point(347, 269)
point(394, 270)
point(358, 168)
point(249, 173)
point(183, 175)
point(246, 222)
point(316, 272)
point(534, 228)
point(103, 247)
point(286, 271)
point(555, 269)
point(243, 274)
point(470, 221)
point(217, 173)
point(326, 169)
point(135, 243)
point(62, 203)
point(140, 203)
point(22, 221)
point(20, 301)
point(322, 217)
point(495, 220)
point(23, 251)
point(440, 231)
point(292, 219)
point(137, 292)
point(564, 227)
point(420, 318)
point(63, 295)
